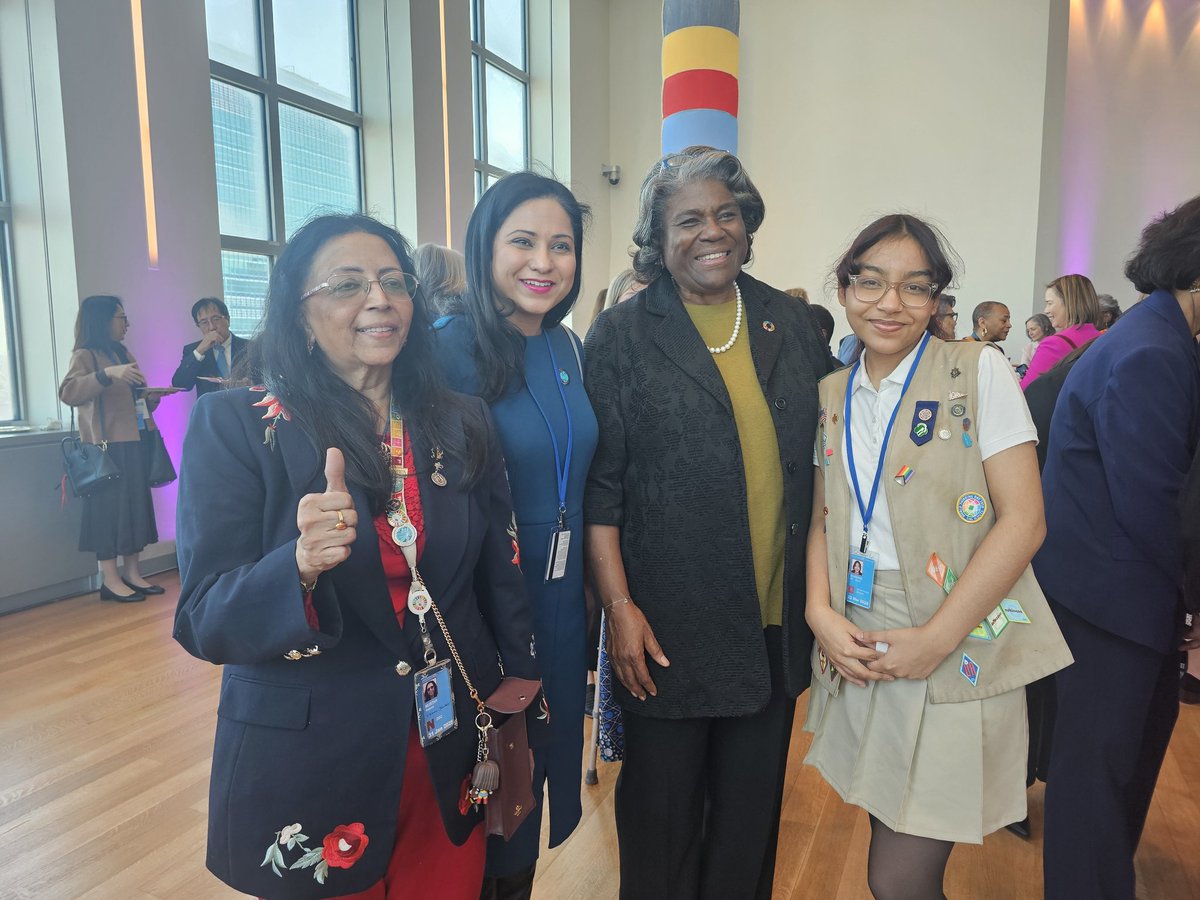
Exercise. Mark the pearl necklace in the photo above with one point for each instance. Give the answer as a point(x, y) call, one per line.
point(737, 324)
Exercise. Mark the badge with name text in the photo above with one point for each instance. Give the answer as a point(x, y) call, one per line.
point(556, 559)
point(434, 696)
point(860, 579)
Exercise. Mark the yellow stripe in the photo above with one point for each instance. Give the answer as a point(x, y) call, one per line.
point(700, 47)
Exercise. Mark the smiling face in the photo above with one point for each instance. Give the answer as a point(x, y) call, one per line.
point(1056, 310)
point(360, 335)
point(704, 241)
point(533, 261)
point(888, 328)
point(997, 323)
point(1033, 330)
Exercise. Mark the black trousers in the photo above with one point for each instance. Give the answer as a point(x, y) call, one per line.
point(1117, 707)
point(698, 800)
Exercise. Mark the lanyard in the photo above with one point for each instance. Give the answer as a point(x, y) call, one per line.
point(562, 467)
point(869, 510)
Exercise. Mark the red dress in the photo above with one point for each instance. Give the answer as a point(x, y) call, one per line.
point(424, 863)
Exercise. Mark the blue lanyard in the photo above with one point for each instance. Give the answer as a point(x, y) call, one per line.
point(869, 510)
point(562, 467)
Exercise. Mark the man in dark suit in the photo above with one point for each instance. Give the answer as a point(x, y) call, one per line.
point(214, 355)
point(1122, 438)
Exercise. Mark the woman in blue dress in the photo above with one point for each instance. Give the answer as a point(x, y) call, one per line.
point(509, 346)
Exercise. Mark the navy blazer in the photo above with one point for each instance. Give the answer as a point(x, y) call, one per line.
point(190, 367)
point(1121, 441)
point(318, 737)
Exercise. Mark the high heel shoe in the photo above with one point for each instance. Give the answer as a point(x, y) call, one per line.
point(106, 594)
point(150, 590)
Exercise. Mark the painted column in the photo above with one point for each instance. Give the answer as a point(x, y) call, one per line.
point(700, 74)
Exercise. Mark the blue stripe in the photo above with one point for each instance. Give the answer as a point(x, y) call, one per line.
point(685, 13)
point(707, 127)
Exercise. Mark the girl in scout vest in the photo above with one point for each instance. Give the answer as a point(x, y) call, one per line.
point(928, 621)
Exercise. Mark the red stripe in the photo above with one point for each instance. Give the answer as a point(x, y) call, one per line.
point(700, 89)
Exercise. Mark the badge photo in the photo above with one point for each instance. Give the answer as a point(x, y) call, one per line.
point(434, 695)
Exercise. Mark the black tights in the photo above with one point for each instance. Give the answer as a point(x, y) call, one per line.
point(904, 866)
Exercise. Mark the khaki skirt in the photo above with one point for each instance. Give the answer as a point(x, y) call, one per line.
point(950, 771)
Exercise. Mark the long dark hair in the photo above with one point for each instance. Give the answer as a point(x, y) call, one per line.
point(499, 346)
point(331, 412)
point(93, 326)
point(897, 225)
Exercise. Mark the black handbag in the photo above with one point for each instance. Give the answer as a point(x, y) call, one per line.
point(159, 468)
point(88, 466)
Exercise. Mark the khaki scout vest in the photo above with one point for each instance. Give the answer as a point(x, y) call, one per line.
point(925, 521)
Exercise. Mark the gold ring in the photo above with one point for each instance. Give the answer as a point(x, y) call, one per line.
point(341, 523)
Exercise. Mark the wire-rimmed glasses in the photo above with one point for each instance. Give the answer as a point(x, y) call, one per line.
point(347, 287)
point(870, 289)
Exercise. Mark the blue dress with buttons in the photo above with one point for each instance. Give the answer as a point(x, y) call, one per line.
point(560, 619)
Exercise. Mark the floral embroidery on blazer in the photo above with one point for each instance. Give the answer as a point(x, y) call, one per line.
point(341, 849)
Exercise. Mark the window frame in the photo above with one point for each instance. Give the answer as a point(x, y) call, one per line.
point(481, 57)
point(8, 287)
point(273, 94)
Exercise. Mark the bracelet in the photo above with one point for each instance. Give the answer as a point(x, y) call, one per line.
point(608, 606)
point(309, 586)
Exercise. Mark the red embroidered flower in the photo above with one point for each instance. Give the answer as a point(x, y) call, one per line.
point(344, 845)
point(271, 402)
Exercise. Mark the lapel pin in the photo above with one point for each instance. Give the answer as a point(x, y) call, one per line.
point(955, 372)
point(768, 325)
point(904, 475)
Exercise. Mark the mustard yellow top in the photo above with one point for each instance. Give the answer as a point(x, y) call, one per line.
point(760, 451)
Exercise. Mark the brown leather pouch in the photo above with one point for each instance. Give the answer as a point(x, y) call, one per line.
point(508, 745)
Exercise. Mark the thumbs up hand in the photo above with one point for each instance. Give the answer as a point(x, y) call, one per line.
point(327, 522)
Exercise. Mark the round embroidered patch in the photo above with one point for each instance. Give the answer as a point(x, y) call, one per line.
point(925, 415)
point(971, 507)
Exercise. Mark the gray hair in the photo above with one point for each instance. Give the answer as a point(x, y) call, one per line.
point(666, 178)
point(443, 276)
point(1109, 302)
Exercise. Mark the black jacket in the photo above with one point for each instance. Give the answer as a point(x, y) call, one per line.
point(319, 737)
point(668, 471)
point(190, 367)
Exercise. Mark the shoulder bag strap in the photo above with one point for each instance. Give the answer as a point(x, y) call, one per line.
point(573, 339)
point(1074, 346)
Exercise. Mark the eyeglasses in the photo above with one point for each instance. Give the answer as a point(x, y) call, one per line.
point(123, 318)
point(347, 287)
point(913, 294)
point(947, 315)
point(211, 320)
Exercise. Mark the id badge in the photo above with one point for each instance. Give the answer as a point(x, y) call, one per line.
point(860, 579)
point(435, 702)
point(556, 558)
point(142, 412)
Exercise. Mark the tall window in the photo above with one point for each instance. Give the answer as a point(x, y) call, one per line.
point(286, 128)
point(10, 406)
point(500, 80)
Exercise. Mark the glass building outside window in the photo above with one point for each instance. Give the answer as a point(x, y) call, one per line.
point(286, 131)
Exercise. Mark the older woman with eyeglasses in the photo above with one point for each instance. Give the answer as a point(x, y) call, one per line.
point(345, 552)
point(704, 386)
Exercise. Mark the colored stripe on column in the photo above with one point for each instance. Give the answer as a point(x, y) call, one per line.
point(682, 13)
point(699, 47)
point(700, 89)
point(707, 127)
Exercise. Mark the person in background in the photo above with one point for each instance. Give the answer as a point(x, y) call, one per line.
point(824, 322)
point(1122, 438)
point(443, 276)
point(1037, 327)
point(945, 319)
point(704, 385)
point(509, 347)
point(105, 384)
point(1073, 309)
point(917, 708)
point(1110, 311)
point(799, 293)
point(990, 321)
point(206, 364)
point(1189, 509)
point(623, 286)
point(328, 566)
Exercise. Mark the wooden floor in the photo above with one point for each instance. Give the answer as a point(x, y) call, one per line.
point(105, 741)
